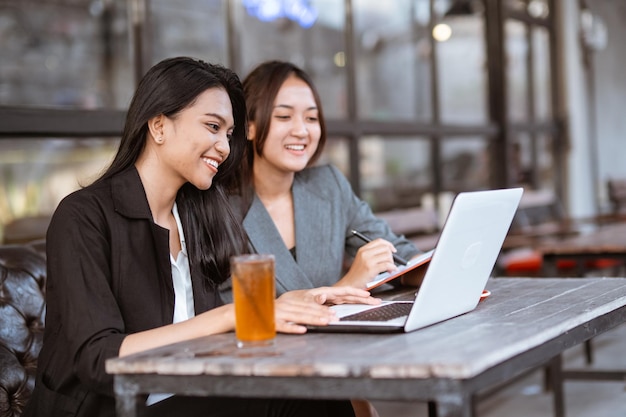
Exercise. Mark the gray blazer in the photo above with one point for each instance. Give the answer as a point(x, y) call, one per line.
point(326, 210)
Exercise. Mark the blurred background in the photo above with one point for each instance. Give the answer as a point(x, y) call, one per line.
point(424, 98)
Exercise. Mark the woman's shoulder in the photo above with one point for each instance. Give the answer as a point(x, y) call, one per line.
point(121, 192)
point(86, 195)
point(83, 203)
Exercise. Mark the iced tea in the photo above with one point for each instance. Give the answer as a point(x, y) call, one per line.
point(253, 294)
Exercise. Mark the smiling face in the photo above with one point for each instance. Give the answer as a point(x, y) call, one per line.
point(294, 131)
point(196, 141)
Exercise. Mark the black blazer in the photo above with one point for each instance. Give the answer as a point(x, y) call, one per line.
point(109, 275)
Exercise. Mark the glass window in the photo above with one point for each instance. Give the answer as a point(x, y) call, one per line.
point(517, 5)
point(521, 157)
point(337, 153)
point(36, 174)
point(465, 164)
point(67, 54)
point(539, 9)
point(462, 67)
point(395, 171)
point(198, 30)
point(541, 73)
point(532, 164)
point(546, 167)
point(316, 43)
point(516, 51)
point(393, 53)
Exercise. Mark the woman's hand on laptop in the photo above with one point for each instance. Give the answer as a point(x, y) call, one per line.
point(301, 307)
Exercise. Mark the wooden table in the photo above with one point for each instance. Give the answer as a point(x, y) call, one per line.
point(525, 323)
point(606, 242)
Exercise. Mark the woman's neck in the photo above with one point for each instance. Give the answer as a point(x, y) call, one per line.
point(273, 188)
point(161, 194)
point(271, 184)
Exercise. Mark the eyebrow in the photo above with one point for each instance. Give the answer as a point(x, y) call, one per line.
point(286, 106)
point(221, 119)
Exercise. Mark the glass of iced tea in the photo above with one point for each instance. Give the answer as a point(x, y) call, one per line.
point(253, 295)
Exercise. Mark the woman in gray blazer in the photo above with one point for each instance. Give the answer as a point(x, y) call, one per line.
point(302, 214)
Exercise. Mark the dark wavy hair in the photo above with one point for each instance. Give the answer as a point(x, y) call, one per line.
point(261, 87)
point(211, 231)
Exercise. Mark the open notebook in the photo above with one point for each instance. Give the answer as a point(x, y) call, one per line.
point(459, 269)
point(416, 261)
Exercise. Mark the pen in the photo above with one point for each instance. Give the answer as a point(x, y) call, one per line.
point(366, 239)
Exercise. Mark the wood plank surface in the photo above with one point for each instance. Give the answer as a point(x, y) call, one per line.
point(520, 314)
point(606, 239)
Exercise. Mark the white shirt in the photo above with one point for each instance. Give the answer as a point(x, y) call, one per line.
point(181, 278)
point(183, 292)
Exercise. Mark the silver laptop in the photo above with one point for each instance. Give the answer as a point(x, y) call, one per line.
point(460, 267)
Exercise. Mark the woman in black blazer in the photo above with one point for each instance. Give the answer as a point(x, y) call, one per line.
point(134, 259)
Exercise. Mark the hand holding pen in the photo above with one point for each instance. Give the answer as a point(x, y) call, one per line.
point(397, 259)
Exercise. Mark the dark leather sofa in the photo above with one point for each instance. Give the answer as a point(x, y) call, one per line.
point(22, 314)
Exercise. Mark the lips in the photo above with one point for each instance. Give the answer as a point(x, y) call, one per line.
point(295, 147)
point(209, 161)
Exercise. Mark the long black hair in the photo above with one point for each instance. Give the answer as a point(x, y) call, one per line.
point(212, 234)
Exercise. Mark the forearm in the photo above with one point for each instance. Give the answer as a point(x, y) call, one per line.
point(217, 320)
point(353, 279)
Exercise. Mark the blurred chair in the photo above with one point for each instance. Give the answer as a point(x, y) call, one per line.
point(22, 320)
point(26, 229)
point(418, 224)
point(540, 220)
point(540, 217)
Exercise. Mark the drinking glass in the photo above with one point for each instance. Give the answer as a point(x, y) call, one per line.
point(253, 294)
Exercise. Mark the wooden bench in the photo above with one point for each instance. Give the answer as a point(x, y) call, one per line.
point(540, 219)
point(420, 225)
point(540, 215)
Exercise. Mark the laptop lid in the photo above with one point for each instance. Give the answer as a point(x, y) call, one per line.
point(461, 264)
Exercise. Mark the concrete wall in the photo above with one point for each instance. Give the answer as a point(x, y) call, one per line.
point(594, 103)
point(609, 74)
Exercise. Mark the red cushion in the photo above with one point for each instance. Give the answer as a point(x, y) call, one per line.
point(533, 262)
point(603, 263)
point(524, 262)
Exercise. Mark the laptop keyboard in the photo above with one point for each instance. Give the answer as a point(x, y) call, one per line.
point(382, 313)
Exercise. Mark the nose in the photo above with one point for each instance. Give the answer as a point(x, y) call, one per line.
point(223, 147)
point(299, 128)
